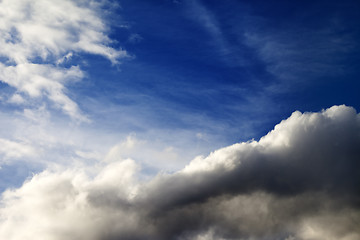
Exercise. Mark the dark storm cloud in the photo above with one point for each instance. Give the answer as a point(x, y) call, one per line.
point(300, 181)
point(307, 152)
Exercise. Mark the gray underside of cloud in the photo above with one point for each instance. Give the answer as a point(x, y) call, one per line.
point(300, 181)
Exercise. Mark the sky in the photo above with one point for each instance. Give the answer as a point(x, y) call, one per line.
point(179, 119)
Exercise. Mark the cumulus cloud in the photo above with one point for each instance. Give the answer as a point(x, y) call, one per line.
point(36, 37)
point(300, 181)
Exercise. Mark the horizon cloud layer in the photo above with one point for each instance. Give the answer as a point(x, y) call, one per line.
point(300, 181)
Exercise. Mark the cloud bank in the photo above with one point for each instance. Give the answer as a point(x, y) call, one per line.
point(300, 181)
point(38, 39)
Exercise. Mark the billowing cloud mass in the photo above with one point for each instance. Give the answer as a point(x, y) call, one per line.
point(300, 181)
point(38, 37)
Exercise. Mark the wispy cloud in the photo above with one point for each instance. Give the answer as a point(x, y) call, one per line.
point(36, 37)
point(12, 149)
point(207, 20)
point(296, 57)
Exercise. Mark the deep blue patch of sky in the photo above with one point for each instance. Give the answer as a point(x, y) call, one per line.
point(244, 64)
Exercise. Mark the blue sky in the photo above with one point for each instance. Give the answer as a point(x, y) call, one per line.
point(239, 66)
point(87, 83)
point(214, 74)
point(235, 63)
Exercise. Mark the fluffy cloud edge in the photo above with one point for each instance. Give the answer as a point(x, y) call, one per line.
point(293, 183)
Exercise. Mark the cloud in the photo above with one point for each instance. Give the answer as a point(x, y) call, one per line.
point(37, 128)
point(37, 37)
point(42, 80)
point(15, 149)
point(199, 13)
point(16, 99)
point(135, 38)
point(300, 181)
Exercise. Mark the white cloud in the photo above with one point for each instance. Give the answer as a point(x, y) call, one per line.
point(43, 80)
point(17, 99)
point(15, 150)
point(59, 143)
point(36, 37)
point(299, 181)
point(66, 58)
point(158, 155)
point(52, 29)
point(67, 208)
point(88, 155)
